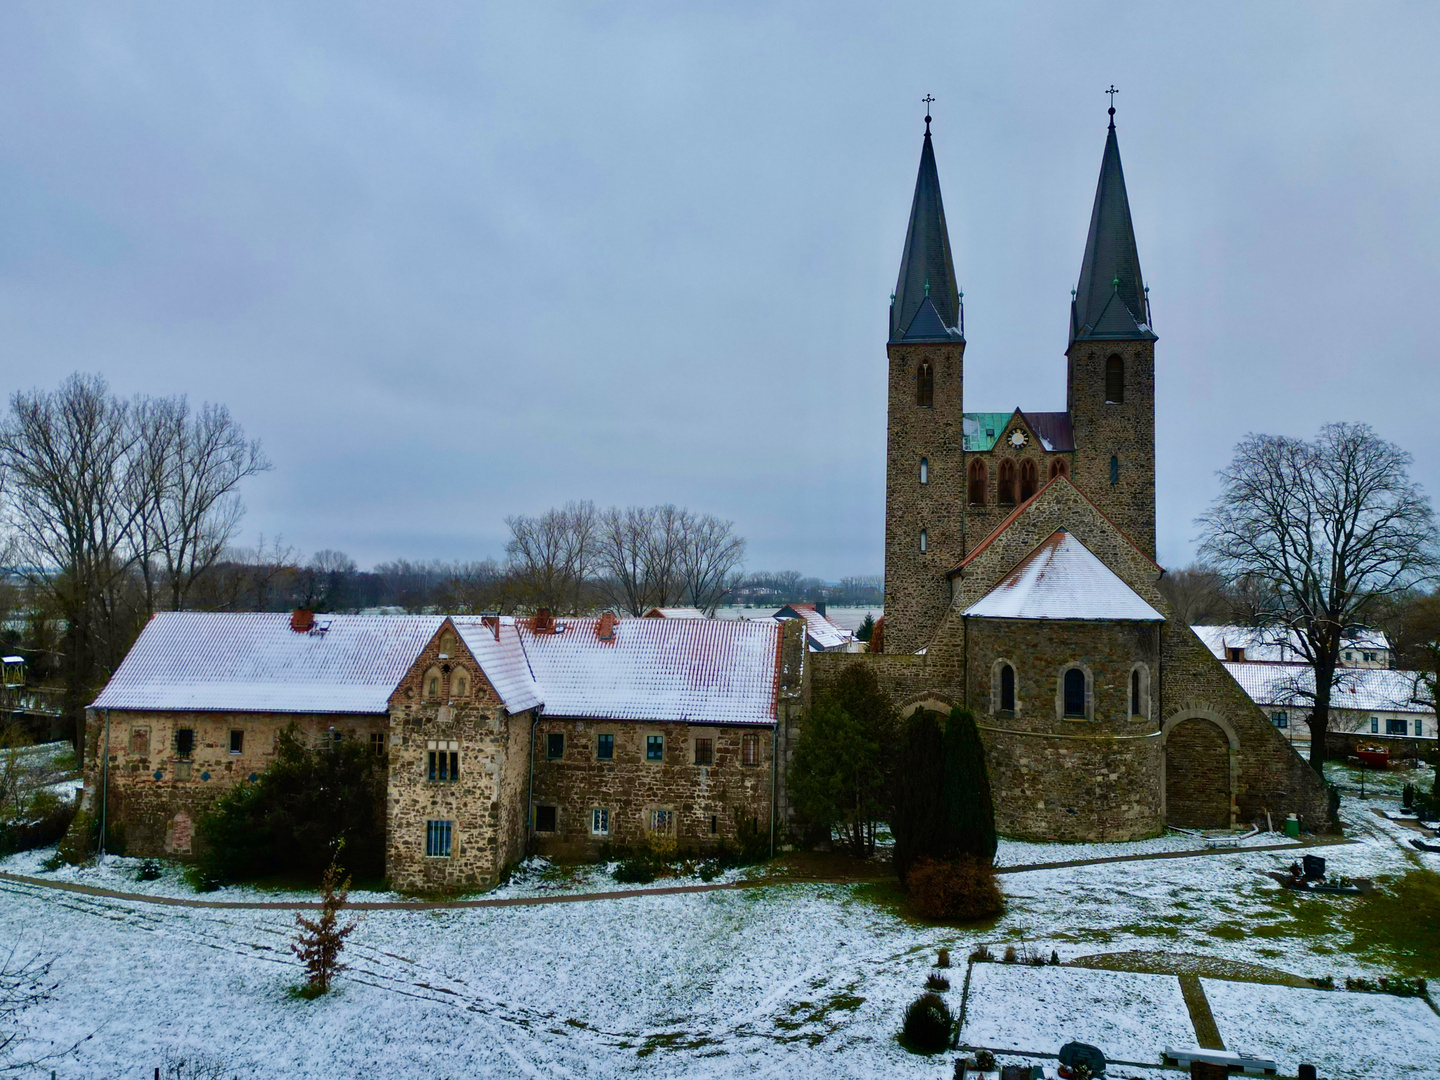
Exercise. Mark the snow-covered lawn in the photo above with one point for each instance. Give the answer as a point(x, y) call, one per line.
point(1364, 1036)
point(1027, 853)
point(781, 980)
point(1040, 1009)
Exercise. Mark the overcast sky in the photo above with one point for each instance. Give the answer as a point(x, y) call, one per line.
point(456, 262)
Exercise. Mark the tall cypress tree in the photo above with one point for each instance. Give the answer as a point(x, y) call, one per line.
point(968, 805)
point(921, 824)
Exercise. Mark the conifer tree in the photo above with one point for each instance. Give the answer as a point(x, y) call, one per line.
point(921, 824)
point(319, 942)
point(967, 789)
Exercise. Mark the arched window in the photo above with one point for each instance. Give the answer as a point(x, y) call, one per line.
point(1059, 467)
point(924, 540)
point(1028, 479)
point(459, 683)
point(1074, 694)
point(924, 470)
point(979, 481)
point(1006, 495)
point(925, 385)
point(1115, 381)
point(1114, 470)
point(431, 685)
point(1140, 691)
point(1007, 688)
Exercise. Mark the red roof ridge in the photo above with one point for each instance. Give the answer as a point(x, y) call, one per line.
point(1010, 520)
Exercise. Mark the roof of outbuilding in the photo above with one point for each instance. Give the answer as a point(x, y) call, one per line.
point(196, 661)
point(1063, 579)
point(825, 633)
point(675, 613)
point(1277, 645)
point(1360, 689)
point(701, 671)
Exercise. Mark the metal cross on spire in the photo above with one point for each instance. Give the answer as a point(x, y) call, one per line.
point(1112, 92)
point(927, 99)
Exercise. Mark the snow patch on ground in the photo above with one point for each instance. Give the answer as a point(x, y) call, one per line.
point(1039, 1009)
point(1364, 1036)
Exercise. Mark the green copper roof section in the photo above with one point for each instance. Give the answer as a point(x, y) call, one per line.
point(926, 306)
point(1110, 299)
point(981, 429)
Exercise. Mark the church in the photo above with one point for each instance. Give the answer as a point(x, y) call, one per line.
point(1020, 572)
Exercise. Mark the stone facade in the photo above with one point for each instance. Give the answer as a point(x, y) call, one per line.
point(1124, 431)
point(476, 793)
point(156, 794)
point(644, 787)
point(915, 593)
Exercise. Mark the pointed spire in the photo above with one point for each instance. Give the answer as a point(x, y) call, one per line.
point(1111, 299)
point(927, 272)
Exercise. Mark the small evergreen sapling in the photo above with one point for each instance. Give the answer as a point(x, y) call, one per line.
point(319, 942)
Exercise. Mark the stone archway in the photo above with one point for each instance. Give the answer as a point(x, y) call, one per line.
point(1201, 761)
point(928, 701)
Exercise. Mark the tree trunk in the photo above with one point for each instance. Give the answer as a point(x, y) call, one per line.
point(1320, 715)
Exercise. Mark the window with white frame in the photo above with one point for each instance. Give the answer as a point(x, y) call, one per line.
point(662, 821)
point(437, 839)
point(600, 821)
point(1280, 718)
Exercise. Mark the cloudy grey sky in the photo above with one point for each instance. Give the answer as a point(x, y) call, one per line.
point(452, 262)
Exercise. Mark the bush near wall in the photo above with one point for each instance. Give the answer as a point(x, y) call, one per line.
point(954, 890)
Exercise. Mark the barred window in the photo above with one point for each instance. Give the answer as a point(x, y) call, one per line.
point(184, 742)
point(704, 752)
point(750, 749)
point(437, 839)
point(600, 821)
point(662, 821)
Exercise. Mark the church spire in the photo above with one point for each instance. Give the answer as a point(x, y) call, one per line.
point(1110, 301)
point(926, 304)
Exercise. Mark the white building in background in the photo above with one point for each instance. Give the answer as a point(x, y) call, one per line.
point(1379, 702)
point(1365, 649)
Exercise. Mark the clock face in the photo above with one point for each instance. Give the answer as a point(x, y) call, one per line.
point(1017, 439)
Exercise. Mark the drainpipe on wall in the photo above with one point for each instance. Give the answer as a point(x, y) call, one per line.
point(105, 785)
point(530, 795)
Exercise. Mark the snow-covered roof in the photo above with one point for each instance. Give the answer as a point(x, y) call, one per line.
point(201, 661)
point(1276, 644)
point(823, 632)
point(1360, 689)
point(495, 644)
point(674, 613)
point(700, 670)
point(1063, 579)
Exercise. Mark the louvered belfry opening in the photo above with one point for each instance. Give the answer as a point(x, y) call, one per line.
point(1028, 479)
point(925, 385)
point(1007, 482)
point(979, 481)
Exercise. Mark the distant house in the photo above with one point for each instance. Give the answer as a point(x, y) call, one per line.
point(1366, 648)
point(1373, 702)
point(675, 613)
point(824, 635)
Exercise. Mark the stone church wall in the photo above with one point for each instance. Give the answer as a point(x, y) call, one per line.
point(1052, 778)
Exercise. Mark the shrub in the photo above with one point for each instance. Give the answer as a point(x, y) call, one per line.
point(753, 840)
point(1054, 957)
point(319, 942)
point(45, 821)
point(919, 823)
point(942, 958)
point(149, 870)
point(81, 840)
point(1407, 796)
point(984, 1060)
point(928, 1024)
point(307, 805)
point(635, 870)
point(968, 804)
point(1010, 956)
point(938, 983)
point(981, 955)
point(961, 890)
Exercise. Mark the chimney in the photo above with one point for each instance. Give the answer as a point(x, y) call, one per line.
point(544, 624)
point(301, 620)
point(605, 629)
point(820, 607)
point(491, 623)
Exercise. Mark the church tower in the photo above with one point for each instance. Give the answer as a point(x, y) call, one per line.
point(1111, 363)
point(924, 474)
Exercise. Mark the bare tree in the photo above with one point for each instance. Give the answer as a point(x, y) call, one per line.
point(474, 587)
point(1321, 532)
point(70, 507)
point(710, 559)
point(186, 472)
point(323, 584)
point(663, 545)
point(552, 555)
point(1197, 595)
point(622, 555)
